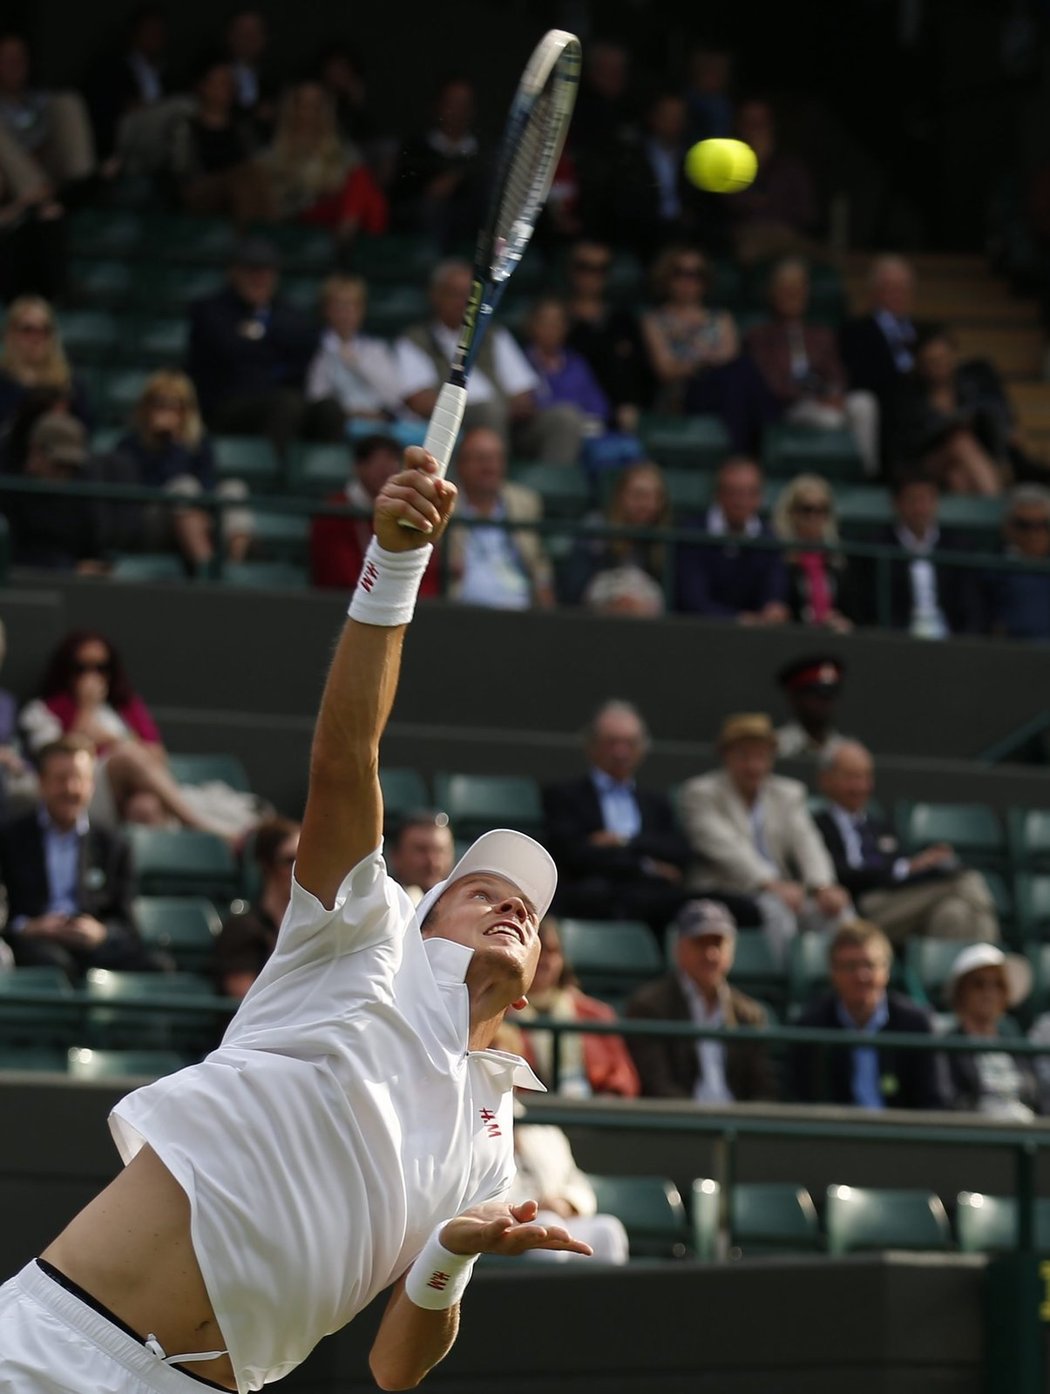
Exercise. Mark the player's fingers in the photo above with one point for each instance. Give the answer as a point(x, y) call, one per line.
point(424, 484)
point(527, 1210)
point(416, 458)
point(413, 499)
point(405, 512)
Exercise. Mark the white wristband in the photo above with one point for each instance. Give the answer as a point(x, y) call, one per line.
point(388, 585)
point(438, 1279)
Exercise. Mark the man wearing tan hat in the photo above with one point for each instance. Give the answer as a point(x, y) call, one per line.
point(709, 1071)
point(752, 834)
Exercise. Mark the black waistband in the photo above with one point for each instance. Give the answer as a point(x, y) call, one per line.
point(78, 1292)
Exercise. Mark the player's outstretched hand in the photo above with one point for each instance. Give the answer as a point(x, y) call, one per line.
point(497, 1228)
point(418, 496)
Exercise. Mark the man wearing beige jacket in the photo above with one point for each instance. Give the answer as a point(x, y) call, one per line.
point(503, 568)
point(752, 834)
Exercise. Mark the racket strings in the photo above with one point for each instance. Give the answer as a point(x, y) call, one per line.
point(528, 180)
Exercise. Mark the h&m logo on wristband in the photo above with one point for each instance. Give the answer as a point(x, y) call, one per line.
point(438, 1280)
point(369, 576)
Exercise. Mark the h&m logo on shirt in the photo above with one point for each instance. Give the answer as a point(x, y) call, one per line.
point(491, 1123)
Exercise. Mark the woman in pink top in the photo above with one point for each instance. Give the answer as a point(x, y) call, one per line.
point(86, 690)
point(819, 580)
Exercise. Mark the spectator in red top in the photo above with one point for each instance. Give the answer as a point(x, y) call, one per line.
point(338, 545)
point(589, 1063)
point(87, 690)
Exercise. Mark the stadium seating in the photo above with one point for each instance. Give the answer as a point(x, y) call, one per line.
point(85, 1063)
point(1033, 905)
point(148, 567)
point(183, 863)
point(685, 442)
point(477, 802)
point(772, 1217)
point(857, 1217)
point(705, 1210)
point(611, 957)
point(199, 769)
point(807, 967)
point(651, 1210)
point(250, 458)
point(756, 970)
point(788, 450)
point(988, 1224)
point(974, 830)
point(49, 1022)
point(184, 926)
point(1029, 832)
point(403, 792)
point(124, 1012)
point(37, 1059)
point(927, 964)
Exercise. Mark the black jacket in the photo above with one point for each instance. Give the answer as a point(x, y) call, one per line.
point(572, 812)
point(964, 1081)
point(959, 589)
point(230, 359)
point(880, 848)
point(910, 1078)
point(105, 885)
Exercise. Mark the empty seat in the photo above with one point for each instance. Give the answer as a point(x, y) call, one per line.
point(391, 309)
point(1030, 838)
point(199, 769)
point(184, 926)
point(688, 491)
point(863, 1217)
point(650, 1209)
point(1033, 906)
point(927, 965)
point(705, 1210)
point(685, 442)
point(163, 342)
point(788, 450)
point(148, 566)
point(563, 491)
point(50, 1021)
point(808, 969)
point(274, 575)
point(104, 284)
point(192, 239)
point(89, 336)
point(862, 510)
point(183, 862)
point(477, 802)
point(973, 829)
point(988, 1224)
point(104, 232)
point(320, 469)
point(395, 257)
point(282, 535)
point(85, 1063)
point(403, 792)
point(772, 1216)
point(251, 458)
point(755, 969)
point(171, 291)
point(611, 956)
point(126, 1011)
point(38, 1059)
point(120, 393)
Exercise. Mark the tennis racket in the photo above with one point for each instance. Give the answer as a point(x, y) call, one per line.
point(532, 144)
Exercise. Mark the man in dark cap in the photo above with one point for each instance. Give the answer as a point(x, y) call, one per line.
point(696, 989)
point(249, 352)
point(812, 686)
point(52, 530)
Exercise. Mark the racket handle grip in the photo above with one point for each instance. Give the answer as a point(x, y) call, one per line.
point(444, 424)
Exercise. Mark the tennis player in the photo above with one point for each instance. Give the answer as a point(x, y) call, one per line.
point(353, 1130)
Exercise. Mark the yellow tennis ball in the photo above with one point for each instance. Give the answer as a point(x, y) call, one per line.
point(721, 166)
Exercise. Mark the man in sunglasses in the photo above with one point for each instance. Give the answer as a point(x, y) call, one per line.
point(1021, 598)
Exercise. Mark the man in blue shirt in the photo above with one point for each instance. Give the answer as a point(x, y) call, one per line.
point(69, 885)
point(872, 1076)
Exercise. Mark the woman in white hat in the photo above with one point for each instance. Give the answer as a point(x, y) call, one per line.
point(983, 984)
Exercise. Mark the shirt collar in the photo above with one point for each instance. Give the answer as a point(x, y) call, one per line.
point(606, 784)
point(716, 523)
point(79, 829)
point(698, 1002)
point(878, 1019)
point(911, 543)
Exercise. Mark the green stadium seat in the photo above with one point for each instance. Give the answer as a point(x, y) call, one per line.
point(251, 458)
point(284, 536)
point(685, 442)
point(862, 510)
point(89, 336)
point(148, 566)
point(755, 968)
point(477, 802)
point(183, 862)
point(611, 955)
point(563, 491)
point(927, 965)
point(36, 1059)
point(725, 288)
point(301, 248)
point(651, 1210)
point(184, 926)
point(1029, 830)
point(123, 1011)
point(86, 1063)
point(320, 469)
point(988, 1224)
point(981, 518)
point(807, 967)
point(269, 575)
point(788, 450)
point(105, 284)
point(120, 392)
point(688, 491)
point(861, 1217)
point(199, 769)
point(163, 342)
point(303, 292)
point(52, 1022)
point(1033, 905)
point(403, 792)
point(192, 239)
point(974, 830)
point(705, 1209)
point(1038, 1002)
point(395, 257)
point(391, 309)
point(172, 290)
point(771, 1217)
point(104, 232)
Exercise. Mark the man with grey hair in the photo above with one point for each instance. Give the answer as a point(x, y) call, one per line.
point(502, 390)
point(618, 847)
point(1020, 600)
point(878, 349)
point(928, 893)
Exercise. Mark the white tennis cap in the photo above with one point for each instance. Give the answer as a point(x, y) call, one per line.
point(1016, 970)
point(503, 852)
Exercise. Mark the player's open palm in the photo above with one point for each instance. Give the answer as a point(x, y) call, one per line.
point(414, 505)
point(498, 1228)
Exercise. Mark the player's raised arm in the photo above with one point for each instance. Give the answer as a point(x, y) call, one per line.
point(344, 812)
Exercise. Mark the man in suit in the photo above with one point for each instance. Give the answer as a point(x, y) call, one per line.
point(751, 834)
point(878, 349)
point(868, 1076)
point(709, 1071)
point(503, 568)
point(926, 598)
point(619, 850)
point(723, 579)
point(69, 885)
point(929, 893)
point(248, 355)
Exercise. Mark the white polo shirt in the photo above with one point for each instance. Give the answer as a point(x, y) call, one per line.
point(340, 1120)
point(514, 372)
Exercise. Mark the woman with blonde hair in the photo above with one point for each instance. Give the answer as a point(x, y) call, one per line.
point(167, 450)
point(638, 500)
point(33, 357)
point(314, 176)
point(819, 581)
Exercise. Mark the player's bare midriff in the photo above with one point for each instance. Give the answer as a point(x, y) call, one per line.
point(131, 1250)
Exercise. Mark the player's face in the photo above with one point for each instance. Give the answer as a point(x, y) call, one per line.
point(487, 913)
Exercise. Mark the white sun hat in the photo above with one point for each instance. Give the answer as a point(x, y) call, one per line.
point(512, 855)
point(1016, 970)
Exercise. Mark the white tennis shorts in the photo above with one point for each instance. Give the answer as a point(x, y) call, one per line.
point(52, 1343)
